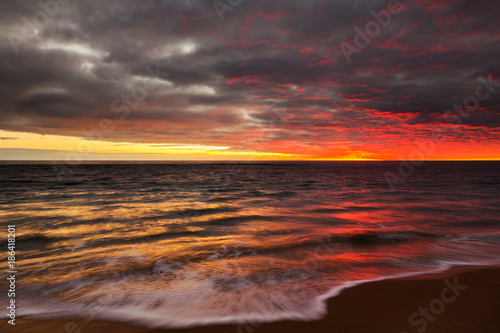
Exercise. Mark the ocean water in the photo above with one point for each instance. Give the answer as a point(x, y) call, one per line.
point(182, 244)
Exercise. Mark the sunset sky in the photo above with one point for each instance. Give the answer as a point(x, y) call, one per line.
point(241, 79)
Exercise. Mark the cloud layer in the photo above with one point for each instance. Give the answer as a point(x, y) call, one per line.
point(271, 76)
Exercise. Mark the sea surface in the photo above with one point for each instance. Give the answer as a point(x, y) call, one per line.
point(182, 244)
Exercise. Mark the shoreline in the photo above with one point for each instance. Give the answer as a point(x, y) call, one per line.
point(458, 299)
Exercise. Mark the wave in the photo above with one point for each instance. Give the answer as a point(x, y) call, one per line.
point(37, 238)
point(474, 222)
point(493, 237)
point(148, 238)
point(186, 213)
point(373, 238)
point(361, 239)
point(292, 303)
point(205, 211)
point(222, 199)
point(327, 210)
point(261, 194)
point(244, 218)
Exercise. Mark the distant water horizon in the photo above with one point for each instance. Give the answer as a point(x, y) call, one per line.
point(182, 243)
point(242, 161)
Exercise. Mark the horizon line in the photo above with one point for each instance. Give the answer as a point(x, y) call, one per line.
point(255, 161)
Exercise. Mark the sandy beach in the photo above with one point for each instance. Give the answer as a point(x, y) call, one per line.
point(462, 299)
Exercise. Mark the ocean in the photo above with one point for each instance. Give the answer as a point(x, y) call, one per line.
point(182, 244)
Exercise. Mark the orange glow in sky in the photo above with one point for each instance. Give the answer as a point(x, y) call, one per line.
point(30, 146)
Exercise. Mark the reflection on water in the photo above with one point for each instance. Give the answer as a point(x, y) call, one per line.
point(177, 244)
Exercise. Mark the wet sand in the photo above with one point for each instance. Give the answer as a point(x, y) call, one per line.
point(463, 299)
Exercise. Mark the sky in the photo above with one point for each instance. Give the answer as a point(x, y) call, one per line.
point(249, 80)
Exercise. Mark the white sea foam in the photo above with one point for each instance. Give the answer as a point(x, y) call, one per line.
point(183, 306)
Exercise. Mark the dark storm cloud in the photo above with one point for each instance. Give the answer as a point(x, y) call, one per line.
point(229, 76)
